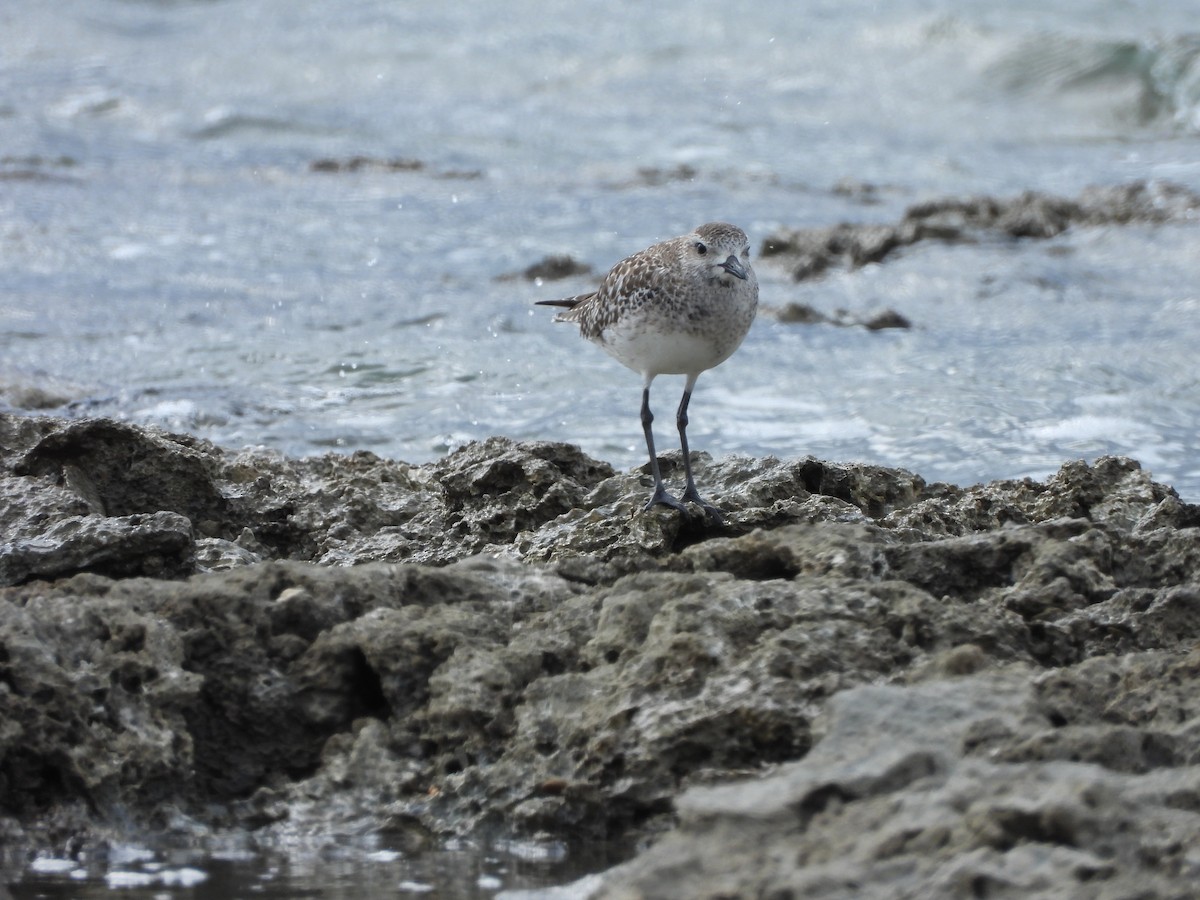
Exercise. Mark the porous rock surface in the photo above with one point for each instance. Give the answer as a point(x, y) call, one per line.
point(861, 685)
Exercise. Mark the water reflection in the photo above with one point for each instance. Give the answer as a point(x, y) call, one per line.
point(365, 870)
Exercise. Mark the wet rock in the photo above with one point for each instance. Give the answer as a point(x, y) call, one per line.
point(864, 192)
point(887, 318)
point(550, 268)
point(157, 544)
point(496, 490)
point(120, 470)
point(810, 252)
point(803, 314)
point(354, 164)
point(32, 396)
point(361, 163)
point(656, 176)
point(797, 314)
point(914, 791)
point(93, 696)
point(38, 169)
point(932, 688)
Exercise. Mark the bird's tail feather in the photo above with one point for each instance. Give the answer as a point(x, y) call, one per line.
point(571, 306)
point(565, 302)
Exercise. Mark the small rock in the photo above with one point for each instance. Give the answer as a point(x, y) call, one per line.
point(551, 268)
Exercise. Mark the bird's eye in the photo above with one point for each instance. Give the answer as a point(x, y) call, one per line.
point(700, 248)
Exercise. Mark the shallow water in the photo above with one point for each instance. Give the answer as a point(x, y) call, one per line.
point(170, 255)
point(348, 870)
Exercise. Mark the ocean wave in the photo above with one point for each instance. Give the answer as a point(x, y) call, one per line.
point(1145, 82)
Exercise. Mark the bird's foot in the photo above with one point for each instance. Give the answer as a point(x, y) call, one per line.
point(660, 497)
point(710, 511)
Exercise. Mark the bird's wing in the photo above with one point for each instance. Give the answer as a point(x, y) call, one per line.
point(631, 283)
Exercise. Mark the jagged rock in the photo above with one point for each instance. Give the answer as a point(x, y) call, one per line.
point(951, 788)
point(939, 688)
point(550, 268)
point(159, 544)
point(803, 314)
point(121, 470)
point(368, 163)
point(809, 252)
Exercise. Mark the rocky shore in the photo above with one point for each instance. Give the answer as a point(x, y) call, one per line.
point(810, 252)
point(861, 685)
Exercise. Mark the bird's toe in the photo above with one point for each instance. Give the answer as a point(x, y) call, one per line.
point(661, 498)
point(710, 511)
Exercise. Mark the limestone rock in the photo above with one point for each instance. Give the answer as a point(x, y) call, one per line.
point(862, 684)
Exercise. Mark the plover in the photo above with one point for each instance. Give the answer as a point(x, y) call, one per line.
point(677, 308)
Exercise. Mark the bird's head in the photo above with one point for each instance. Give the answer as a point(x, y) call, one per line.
point(717, 251)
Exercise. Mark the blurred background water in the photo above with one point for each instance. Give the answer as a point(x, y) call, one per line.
point(170, 253)
point(173, 251)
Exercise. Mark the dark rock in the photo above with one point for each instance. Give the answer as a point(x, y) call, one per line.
point(918, 791)
point(361, 163)
point(551, 268)
point(935, 690)
point(156, 544)
point(120, 470)
point(803, 314)
point(809, 252)
point(32, 397)
point(1028, 215)
point(797, 314)
point(863, 191)
point(656, 176)
point(886, 318)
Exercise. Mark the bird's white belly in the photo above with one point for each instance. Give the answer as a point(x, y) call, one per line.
point(651, 351)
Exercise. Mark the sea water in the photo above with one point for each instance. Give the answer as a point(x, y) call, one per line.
point(171, 255)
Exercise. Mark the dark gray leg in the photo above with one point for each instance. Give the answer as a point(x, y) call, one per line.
point(660, 494)
point(690, 492)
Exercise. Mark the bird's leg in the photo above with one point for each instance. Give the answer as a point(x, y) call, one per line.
point(690, 492)
point(660, 494)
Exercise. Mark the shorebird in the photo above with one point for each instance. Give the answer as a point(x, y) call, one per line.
point(679, 307)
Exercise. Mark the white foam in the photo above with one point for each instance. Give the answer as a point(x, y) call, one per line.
point(49, 865)
point(384, 856)
point(184, 877)
point(124, 879)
